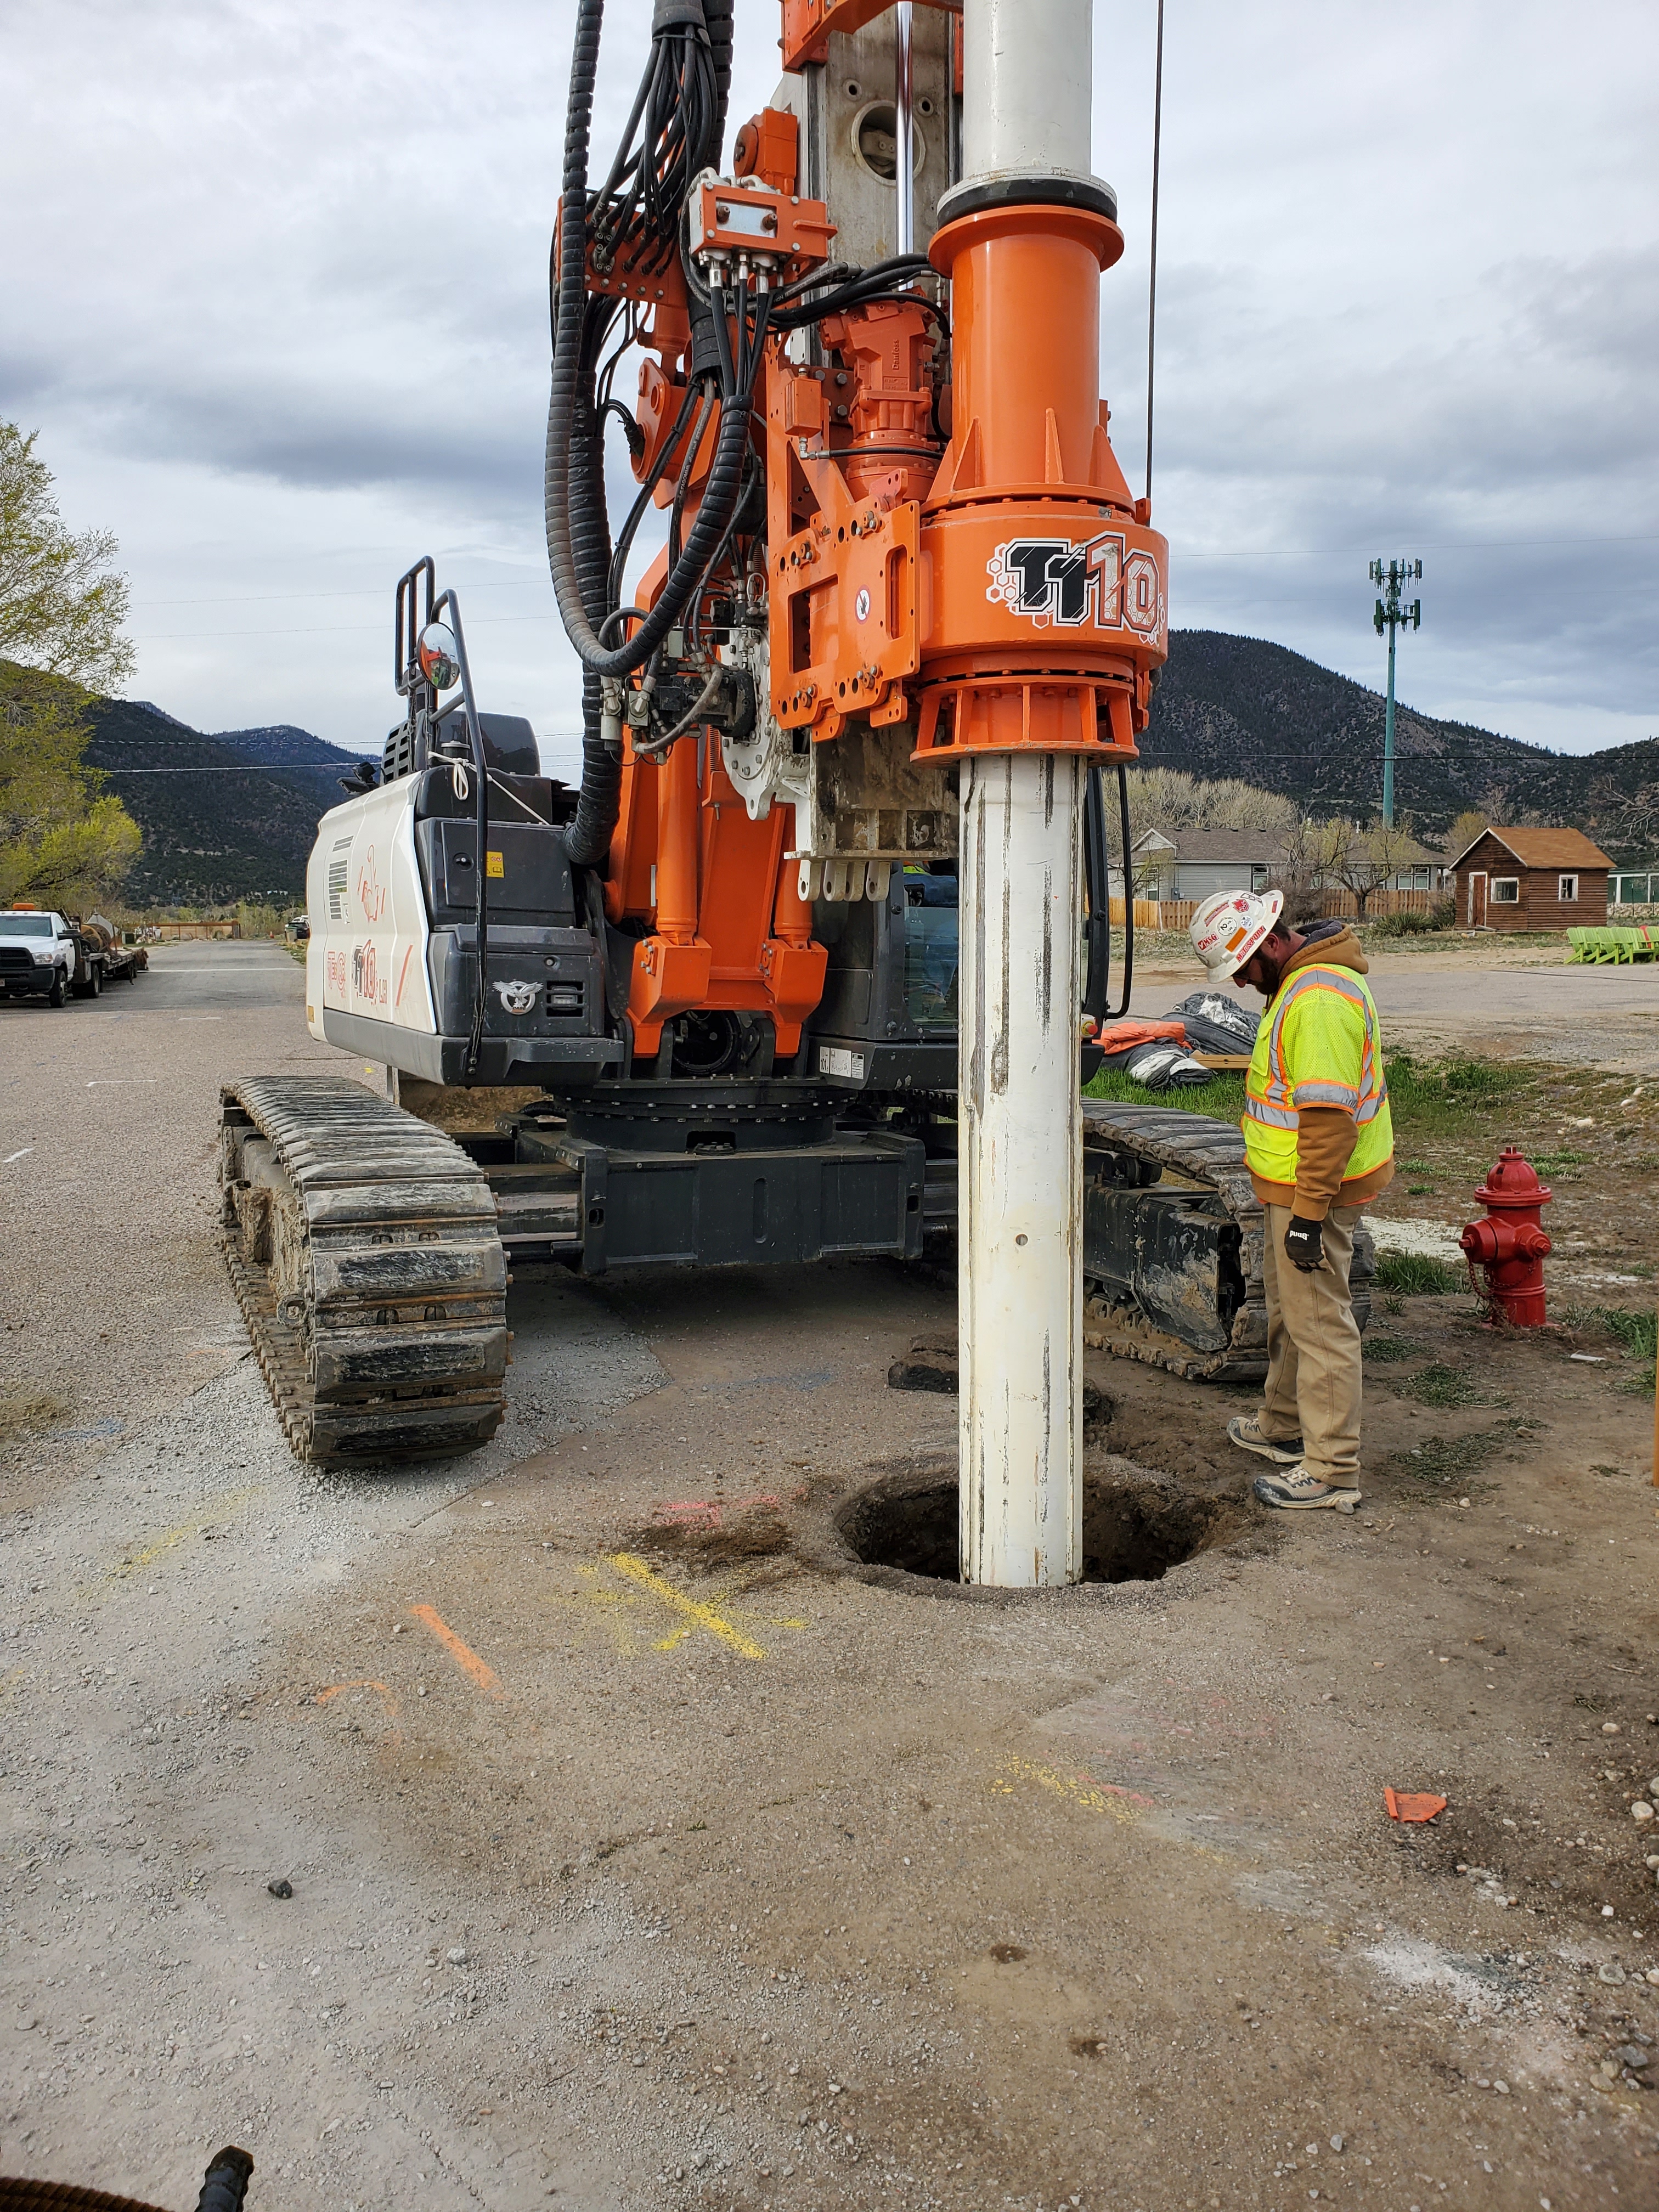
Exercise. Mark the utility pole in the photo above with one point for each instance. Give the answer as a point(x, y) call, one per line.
point(1392, 615)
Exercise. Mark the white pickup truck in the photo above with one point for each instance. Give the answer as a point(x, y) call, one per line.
point(42, 958)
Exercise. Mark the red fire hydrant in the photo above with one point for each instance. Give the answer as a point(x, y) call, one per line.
point(1510, 1242)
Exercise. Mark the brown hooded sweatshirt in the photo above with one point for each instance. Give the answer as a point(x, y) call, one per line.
point(1326, 1135)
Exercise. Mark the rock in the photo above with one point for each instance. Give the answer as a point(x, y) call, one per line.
point(457, 1957)
point(1336, 2142)
point(280, 1888)
point(1612, 1975)
point(1610, 1728)
point(1502, 2088)
point(1633, 2056)
point(1641, 1810)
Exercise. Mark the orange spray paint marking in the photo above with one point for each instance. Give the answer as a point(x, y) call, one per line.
point(709, 1511)
point(389, 1702)
point(402, 974)
point(463, 1654)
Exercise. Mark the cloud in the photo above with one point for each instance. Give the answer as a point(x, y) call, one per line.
point(276, 299)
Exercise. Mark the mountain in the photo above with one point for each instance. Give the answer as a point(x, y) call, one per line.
point(1244, 707)
point(225, 817)
point(236, 813)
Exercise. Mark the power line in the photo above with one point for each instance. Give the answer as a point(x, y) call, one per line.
point(331, 630)
point(1430, 545)
point(1151, 253)
point(355, 592)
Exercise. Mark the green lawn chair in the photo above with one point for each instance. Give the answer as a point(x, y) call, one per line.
point(1634, 944)
point(1578, 939)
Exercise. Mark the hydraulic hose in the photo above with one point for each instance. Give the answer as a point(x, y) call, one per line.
point(587, 835)
point(732, 445)
point(1096, 875)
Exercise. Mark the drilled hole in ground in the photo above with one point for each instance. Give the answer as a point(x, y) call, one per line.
point(1133, 1532)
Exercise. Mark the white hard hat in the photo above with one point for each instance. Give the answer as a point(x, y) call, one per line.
point(1229, 926)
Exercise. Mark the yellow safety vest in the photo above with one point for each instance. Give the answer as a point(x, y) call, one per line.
point(1316, 1045)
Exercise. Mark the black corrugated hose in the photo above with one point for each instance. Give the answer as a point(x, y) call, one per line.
point(587, 838)
point(565, 467)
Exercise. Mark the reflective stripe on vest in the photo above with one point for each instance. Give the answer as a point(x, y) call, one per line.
point(1328, 1056)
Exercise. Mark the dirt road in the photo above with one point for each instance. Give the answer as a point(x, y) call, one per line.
point(1459, 994)
point(649, 1851)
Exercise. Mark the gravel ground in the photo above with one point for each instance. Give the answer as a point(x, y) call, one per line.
point(645, 1851)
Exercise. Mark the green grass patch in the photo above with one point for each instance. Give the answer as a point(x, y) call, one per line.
point(1222, 1097)
point(1445, 1462)
point(1440, 1385)
point(1558, 1163)
point(1637, 1333)
point(1379, 1344)
point(25, 1412)
point(1416, 1275)
point(1445, 1098)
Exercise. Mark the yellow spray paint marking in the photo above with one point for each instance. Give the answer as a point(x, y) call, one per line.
point(646, 1591)
point(170, 1539)
point(1129, 1807)
point(700, 1616)
point(1123, 1806)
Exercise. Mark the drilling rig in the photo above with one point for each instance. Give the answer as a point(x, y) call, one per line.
point(798, 970)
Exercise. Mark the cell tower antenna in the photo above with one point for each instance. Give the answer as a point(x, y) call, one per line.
point(1394, 614)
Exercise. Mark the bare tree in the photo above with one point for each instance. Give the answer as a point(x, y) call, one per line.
point(1297, 873)
point(1361, 860)
point(1473, 823)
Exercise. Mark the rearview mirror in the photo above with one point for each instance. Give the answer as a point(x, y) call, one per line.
point(439, 655)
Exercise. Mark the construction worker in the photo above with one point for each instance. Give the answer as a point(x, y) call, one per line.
point(1319, 1144)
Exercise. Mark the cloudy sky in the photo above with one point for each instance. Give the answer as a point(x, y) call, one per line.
point(275, 302)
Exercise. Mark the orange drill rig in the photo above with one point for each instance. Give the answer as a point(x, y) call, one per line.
point(797, 969)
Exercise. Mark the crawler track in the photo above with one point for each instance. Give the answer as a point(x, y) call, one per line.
point(1203, 1281)
point(363, 1248)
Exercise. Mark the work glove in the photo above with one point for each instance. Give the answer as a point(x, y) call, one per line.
point(1305, 1243)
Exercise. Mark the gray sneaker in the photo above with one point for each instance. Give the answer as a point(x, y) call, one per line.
point(1297, 1489)
point(1245, 1429)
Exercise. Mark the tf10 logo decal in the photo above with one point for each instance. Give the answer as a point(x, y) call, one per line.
point(1058, 582)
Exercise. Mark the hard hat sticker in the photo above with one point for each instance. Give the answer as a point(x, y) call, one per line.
point(1070, 583)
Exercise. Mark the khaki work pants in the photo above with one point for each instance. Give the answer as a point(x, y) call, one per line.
point(1313, 1350)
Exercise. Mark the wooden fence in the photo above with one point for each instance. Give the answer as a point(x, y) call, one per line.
point(173, 932)
point(1172, 915)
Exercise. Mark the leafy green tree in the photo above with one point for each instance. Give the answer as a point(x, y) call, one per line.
point(63, 842)
point(62, 603)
